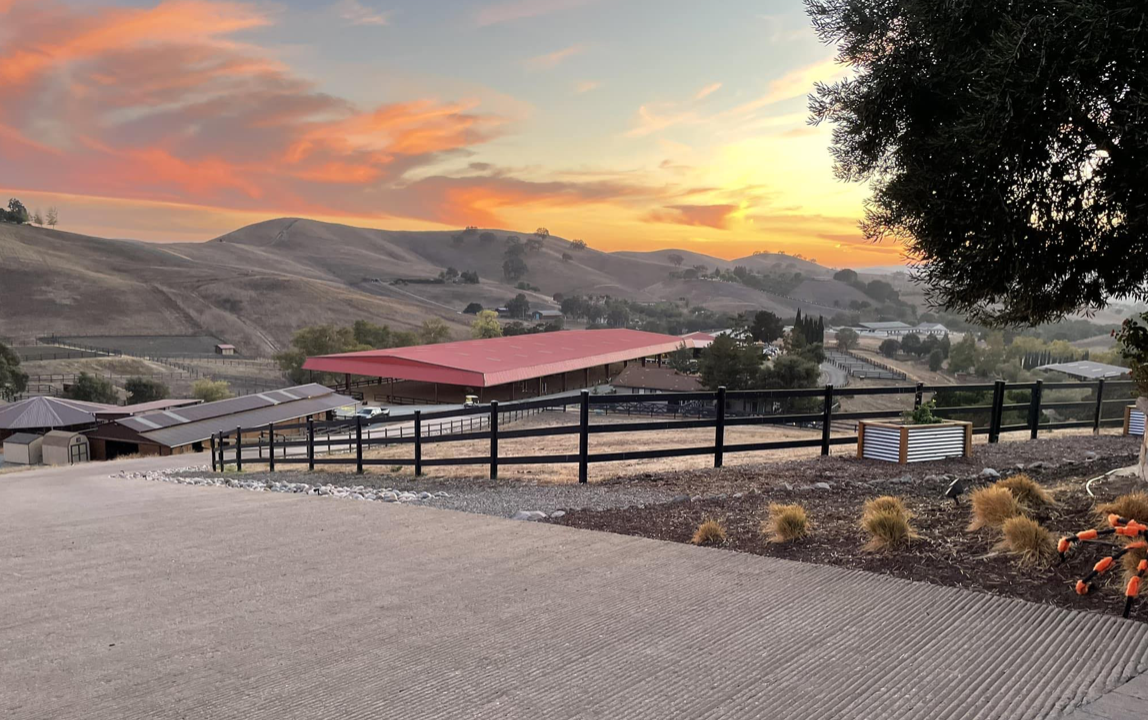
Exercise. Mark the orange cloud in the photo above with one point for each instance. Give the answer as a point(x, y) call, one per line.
point(712, 216)
point(552, 60)
point(164, 104)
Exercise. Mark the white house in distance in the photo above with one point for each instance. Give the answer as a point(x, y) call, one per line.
point(898, 329)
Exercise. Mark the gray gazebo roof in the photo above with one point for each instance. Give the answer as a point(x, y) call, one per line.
point(1087, 370)
point(48, 412)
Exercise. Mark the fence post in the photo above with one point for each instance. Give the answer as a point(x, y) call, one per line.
point(213, 465)
point(919, 398)
point(719, 428)
point(359, 444)
point(311, 444)
point(222, 464)
point(1099, 406)
point(238, 449)
point(827, 419)
point(493, 439)
point(271, 446)
point(997, 411)
point(1034, 409)
point(584, 439)
point(419, 443)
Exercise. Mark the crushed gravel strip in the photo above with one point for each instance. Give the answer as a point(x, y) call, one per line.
point(483, 497)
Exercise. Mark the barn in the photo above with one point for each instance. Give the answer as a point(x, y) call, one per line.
point(189, 429)
point(506, 368)
point(40, 414)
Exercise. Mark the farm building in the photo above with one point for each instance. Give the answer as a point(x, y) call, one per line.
point(931, 329)
point(698, 340)
point(116, 412)
point(638, 379)
point(23, 449)
point(506, 368)
point(224, 349)
point(40, 414)
point(62, 447)
point(546, 315)
point(189, 429)
point(885, 329)
point(1086, 370)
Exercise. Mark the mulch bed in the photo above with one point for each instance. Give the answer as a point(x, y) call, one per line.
point(945, 554)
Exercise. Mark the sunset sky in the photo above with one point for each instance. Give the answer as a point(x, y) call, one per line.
point(633, 124)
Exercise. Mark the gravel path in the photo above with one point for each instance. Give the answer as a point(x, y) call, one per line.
point(1052, 457)
point(502, 499)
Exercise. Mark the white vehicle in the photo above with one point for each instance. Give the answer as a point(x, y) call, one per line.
point(370, 413)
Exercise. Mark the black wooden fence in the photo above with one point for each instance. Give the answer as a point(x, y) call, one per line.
point(298, 444)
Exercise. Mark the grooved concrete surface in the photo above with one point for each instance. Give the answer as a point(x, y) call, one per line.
point(130, 599)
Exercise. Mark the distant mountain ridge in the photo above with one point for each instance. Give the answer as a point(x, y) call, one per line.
point(255, 286)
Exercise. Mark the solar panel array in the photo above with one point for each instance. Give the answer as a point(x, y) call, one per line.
point(221, 408)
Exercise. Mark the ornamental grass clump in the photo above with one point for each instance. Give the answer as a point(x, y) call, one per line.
point(786, 523)
point(992, 507)
point(710, 532)
point(1027, 491)
point(1133, 506)
point(886, 521)
point(1028, 540)
point(886, 503)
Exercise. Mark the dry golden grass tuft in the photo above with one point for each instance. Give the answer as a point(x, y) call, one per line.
point(888, 529)
point(992, 507)
point(886, 503)
point(786, 523)
point(1131, 561)
point(710, 532)
point(1028, 540)
point(1027, 491)
point(1133, 506)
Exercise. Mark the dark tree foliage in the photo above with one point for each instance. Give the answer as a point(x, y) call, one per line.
point(1006, 142)
point(142, 390)
point(90, 388)
point(13, 379)
point(726, 363)
point(514, 267)
point(766, 327)
point(519, 307)
point(472, 309)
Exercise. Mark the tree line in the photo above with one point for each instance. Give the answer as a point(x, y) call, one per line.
point(18, 214)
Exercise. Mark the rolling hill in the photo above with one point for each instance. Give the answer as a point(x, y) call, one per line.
point(254, 287)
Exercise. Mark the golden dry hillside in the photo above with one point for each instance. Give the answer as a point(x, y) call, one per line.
point(254, 287)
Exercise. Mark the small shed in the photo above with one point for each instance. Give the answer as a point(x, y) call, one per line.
point(540, 315)
point(65, 448)
point(23, 449)
point(224, 349)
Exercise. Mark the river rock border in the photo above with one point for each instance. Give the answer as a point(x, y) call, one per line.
point(358, 492)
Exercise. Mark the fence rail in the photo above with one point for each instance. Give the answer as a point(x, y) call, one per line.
point(812, 408)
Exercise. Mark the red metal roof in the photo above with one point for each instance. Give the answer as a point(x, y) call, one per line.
point(498, 361)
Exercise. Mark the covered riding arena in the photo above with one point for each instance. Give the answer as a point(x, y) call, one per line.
point(503, 369)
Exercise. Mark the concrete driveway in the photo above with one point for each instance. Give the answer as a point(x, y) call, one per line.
point(131, 599)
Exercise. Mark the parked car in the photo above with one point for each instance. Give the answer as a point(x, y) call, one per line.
point(371, 413)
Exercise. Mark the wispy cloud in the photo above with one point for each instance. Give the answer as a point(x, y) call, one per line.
point(707, 91)
point(655, 117)
point(357, 13)
point(586, 86)
point(511, 10)
point(552, 60)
